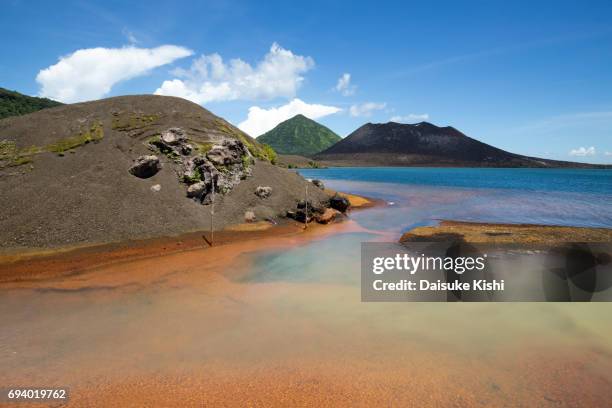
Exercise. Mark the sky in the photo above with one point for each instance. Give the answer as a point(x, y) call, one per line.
point(531, 77)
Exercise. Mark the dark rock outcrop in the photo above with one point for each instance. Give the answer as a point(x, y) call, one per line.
point(197, 190)
point(228, 153)
point(327, 216)
point(305, 211)
point(145, 166)
point(173, 137)
point(222, 168)
point(201, 176)
point(300, 216)
point(339, 203)
point(319, 184)
point(173, 142)
point(303, 205)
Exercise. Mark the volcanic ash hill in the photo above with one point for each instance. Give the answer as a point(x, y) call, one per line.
point(133, 167)
point(424, 144)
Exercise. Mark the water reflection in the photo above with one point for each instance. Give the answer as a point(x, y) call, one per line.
point(331, 260)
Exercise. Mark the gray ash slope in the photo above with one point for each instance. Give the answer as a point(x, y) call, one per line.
point(65, 180)
point(425, 144)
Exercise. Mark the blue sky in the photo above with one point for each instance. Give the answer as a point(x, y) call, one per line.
point(530, 77)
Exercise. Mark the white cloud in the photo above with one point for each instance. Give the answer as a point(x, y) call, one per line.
point(410, 118)
point(366, 109)
point(91, 73)
point(344, 85)
point(608, 153)
point(583, 151)
point(209, 78)
point(260, 120)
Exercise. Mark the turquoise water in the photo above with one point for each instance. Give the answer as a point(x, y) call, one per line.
point(421, 196)
point(588, 181)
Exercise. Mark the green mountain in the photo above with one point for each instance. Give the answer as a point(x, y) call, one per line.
point(299, 135)
point(15, 104)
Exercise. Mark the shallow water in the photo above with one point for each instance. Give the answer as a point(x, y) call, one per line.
point(422, 195)
point(286, 312)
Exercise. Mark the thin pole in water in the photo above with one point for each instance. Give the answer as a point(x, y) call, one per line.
point(306, 208)
point(212, 215)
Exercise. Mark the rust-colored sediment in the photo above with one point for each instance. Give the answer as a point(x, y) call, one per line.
point(103, 263)
point(525, 234)
point(45, 264)
point(530, 379)
point(171, 322)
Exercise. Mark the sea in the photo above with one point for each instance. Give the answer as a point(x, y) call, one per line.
point(422, 196)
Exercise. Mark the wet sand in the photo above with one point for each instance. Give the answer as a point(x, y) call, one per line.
point(151, 325)
point(520, 234)
point(170, 331)
point(423, 381)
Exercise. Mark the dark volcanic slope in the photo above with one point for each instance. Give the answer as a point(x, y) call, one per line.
point(424, 144)
point(58, 190)
point(299, 136)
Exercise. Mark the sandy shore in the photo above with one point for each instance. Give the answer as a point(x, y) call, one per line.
point(522, 234)
point(548, 380)
point(40, 264)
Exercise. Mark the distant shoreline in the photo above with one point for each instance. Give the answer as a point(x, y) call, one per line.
point(331, 164)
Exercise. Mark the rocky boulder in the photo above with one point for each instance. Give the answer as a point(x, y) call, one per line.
point(233, 157)
point(186, 149)
point(327, 216)
point(319, 184)
point(299, 216)
point(201, 168)
point(305, 212)
point(219, 170)
point(202, 177)
point(173, 136)
point(249, 216)
point(145, 166)
point(173, 141)
point(228, 153)
point(303, 205)
point(340, 203)
point(263, 192)
point(197, 190)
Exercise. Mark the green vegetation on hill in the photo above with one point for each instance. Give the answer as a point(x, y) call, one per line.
point(12, 156)
point(15, 104)
point(300, 136)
